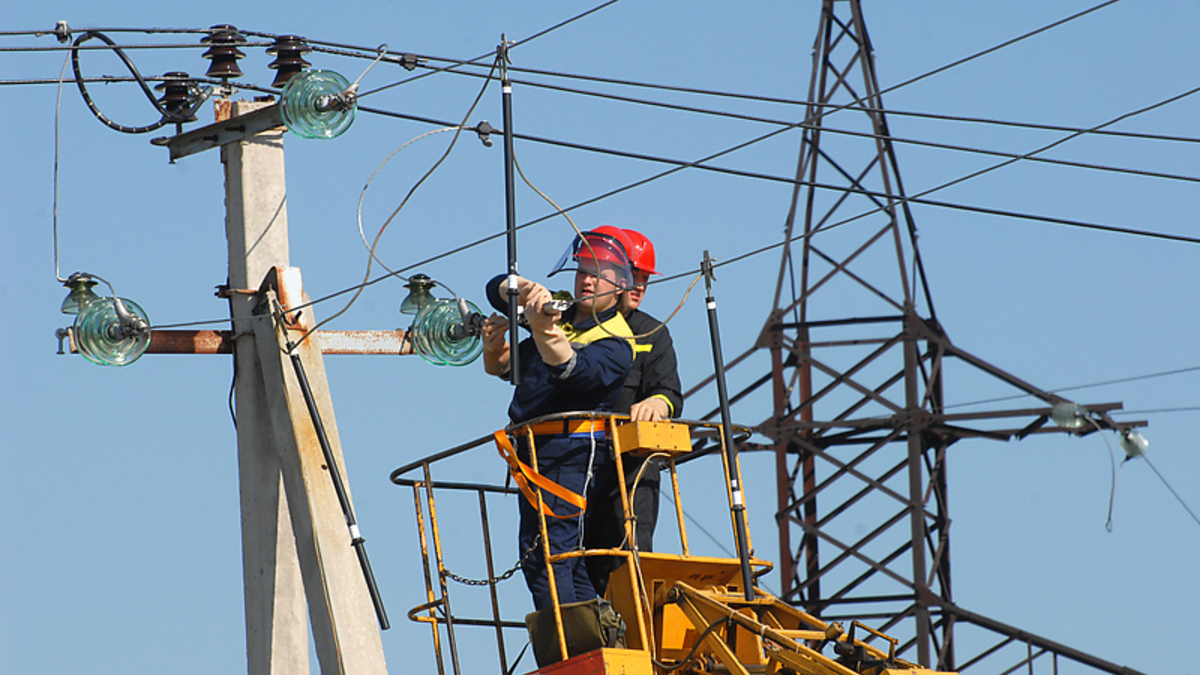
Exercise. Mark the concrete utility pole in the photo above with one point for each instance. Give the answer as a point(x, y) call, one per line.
point(296, 549)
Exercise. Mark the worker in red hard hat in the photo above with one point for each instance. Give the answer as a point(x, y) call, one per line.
point(604, 249)
point(574, 360)
point(652, 392)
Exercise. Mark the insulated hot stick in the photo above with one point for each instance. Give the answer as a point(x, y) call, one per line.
point(356, 538)
point(510, 211)
point(738, 504)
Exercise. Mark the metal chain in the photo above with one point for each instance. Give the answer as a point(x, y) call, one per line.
point(495, 580)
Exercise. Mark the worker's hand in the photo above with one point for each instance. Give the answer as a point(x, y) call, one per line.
point(495, 347)
point(522, 284)
point(495, 332)
point(551, 341)
point(649, 410)
point(533, 296)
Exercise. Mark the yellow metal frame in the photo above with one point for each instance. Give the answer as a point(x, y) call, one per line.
point(676, 606)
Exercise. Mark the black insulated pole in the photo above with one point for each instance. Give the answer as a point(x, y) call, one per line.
point(356, 538)
point(738, 503)
point(510, 212)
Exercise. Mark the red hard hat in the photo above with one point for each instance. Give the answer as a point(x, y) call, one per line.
point(641, 252)
point(605, 251)
point(605, 243)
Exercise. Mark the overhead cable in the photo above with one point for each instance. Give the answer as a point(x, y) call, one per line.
point(890, 137)
point(479, 58)
point(699, 164)
point(832, 109)
point(1123, 380)
point(917, 199)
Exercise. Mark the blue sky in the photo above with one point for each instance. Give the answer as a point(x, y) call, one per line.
point(120, 540)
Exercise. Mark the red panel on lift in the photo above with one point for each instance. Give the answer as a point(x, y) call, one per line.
point(603, 662)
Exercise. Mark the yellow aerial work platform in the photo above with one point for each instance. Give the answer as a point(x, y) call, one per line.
point(683, 613)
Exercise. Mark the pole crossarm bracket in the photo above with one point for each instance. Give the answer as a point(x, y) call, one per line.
point(359, 342)
point(221, 133)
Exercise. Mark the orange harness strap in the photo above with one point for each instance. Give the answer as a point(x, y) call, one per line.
point(524, 474)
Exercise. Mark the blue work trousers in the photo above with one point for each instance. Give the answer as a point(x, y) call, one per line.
point(564, 460)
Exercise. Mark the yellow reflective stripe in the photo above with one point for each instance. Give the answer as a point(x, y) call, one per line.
point(615, 326)
point(641, 348)
point(670, 408)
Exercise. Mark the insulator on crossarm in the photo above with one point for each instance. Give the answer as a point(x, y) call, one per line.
point(318, 104)
point(289, 51)
point(443, 336)
point(419, 287)
point(224, 53)
point(177, 94)
point(81, 285)
point(112, 331)
point(1068, 415)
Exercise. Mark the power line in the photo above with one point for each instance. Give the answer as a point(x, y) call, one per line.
point(367, 53)
point(1155, 411)
point(364, 52)
point(564, 23)
point(680, 165)
point(69, 31)
point(890, 137)
point(769, 99)
point(698, 164)
point(912, 200)
point(87, 48)
point(454, 67)
point(1034, 126)
point(1172, 490)
point(1123, 380)
point(456, 64)
point(794, 102)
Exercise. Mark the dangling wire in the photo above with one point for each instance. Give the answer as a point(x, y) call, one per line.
point(1116, 477)
point(54, 211)
point(371, 258)
point(1173, 492)
point(358, 212)
point(588, 244)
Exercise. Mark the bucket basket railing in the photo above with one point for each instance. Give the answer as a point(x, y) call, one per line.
point(674, 442)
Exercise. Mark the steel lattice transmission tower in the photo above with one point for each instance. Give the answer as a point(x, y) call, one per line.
point(854, 250)
point(858, 425)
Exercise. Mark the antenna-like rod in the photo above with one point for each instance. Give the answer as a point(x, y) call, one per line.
point(510, 212)
point(737, 503)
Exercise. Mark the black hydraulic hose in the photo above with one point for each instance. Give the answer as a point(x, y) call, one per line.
point(738, 505)
point(356, 538)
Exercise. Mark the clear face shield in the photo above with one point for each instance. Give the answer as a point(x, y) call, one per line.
point(599, 255)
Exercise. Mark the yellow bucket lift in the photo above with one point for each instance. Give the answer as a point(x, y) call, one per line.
point(683, 613)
